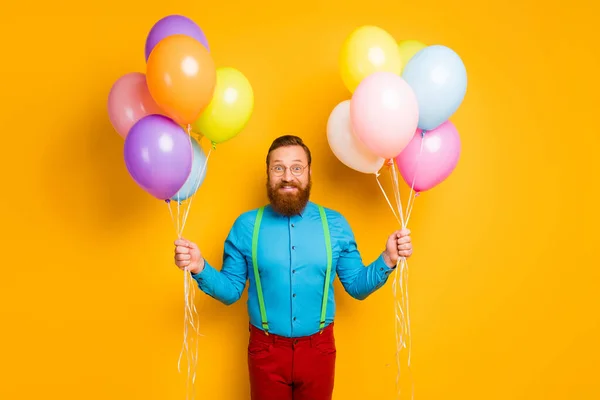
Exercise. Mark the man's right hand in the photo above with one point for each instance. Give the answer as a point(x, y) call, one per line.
point(188, 256)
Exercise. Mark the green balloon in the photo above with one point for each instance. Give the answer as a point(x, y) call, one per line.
point(230, 109)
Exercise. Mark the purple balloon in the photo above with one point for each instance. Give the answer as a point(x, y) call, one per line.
point(174, 25)
point(158, 155)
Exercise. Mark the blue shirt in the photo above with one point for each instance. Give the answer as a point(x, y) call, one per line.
point(292, 263)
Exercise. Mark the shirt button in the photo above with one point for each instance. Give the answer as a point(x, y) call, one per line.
point(292, 225)
point(293, 271)
point(294, 295)
point(294, 318)
point(293, 247)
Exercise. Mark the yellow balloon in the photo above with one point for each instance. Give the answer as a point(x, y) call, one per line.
point(230, 108)
point(367, 50)
point(408, 48)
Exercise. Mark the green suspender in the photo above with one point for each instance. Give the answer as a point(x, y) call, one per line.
point(328, 273)
point(261, 301)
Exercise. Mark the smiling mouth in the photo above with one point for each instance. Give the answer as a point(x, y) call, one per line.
point(288, 188)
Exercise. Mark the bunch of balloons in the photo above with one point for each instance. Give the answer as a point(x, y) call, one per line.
point(181, 92)
point(403, 95)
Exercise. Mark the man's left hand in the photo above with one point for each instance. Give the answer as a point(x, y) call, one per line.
point(398, 245)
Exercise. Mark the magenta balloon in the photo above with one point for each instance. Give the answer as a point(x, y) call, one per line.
point(428, 160)
point(158, 155)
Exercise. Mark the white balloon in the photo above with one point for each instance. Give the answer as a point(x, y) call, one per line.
point(346, 146)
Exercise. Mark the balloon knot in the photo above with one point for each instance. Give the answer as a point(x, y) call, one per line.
point(389, 162)
point(168, 201)
point(417, 194)
point(214, 145)
point(423, 133)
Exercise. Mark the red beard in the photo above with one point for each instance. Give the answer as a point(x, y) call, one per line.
point(288, 204)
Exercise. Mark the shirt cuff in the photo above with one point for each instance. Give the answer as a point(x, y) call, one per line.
point(383, 270)
point(206, 274)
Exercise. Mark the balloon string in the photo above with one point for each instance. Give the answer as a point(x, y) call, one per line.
point(178, 220)
point(411, 202)
point(399, 311)
point(400, 282)
point(187, 315)
point(404, 268)
point(386, 197)
point(184, 346)
point(412, 196)
point(398, 328)
point(171, 213)
point(402, 306)
point(407, 341)
point(190, 318)
point(397, 193)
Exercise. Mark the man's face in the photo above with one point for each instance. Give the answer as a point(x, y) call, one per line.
point(288, 183)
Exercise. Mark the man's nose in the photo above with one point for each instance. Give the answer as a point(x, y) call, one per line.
point(287, 175)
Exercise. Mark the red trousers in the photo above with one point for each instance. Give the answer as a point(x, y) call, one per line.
point(291, 368)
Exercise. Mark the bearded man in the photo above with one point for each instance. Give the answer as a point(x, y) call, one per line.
point(291, 251)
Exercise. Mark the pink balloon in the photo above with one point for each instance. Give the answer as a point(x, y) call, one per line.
point(384, 112)
point(431, 158)
point(129, 101)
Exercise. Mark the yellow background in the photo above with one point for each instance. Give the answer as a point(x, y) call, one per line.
point(504, 280)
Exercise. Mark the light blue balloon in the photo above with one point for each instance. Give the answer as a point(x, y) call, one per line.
point(196, 177)
point(438, 77)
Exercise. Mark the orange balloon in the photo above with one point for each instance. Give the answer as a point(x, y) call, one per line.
point(181, 77)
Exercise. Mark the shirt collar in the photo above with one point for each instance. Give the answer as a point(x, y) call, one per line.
point(306, 210)
point(301, 214)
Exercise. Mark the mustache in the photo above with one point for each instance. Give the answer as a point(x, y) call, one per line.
point(282, 184)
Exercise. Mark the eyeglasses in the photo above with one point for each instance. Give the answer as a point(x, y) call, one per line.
point(296, 169)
